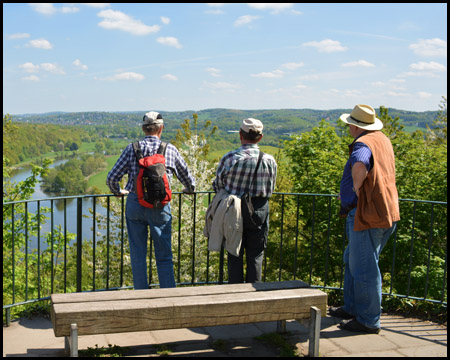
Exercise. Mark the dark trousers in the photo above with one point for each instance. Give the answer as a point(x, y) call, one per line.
point(254, 241)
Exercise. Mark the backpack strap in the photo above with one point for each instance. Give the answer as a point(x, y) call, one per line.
point(137, 150)
point(162, 148)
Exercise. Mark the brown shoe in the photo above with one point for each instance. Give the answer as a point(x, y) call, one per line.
point(356, 326)
point(340, 312)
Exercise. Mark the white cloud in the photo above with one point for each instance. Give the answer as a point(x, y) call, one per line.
point(78, 65)
point(118, 20)
point(396, 94)
point(31, 78)
point(430, 47)
point(215, 11)
point(29, 67)
point(40, 44)
point(214, 72)
point(124, 76)
point(362, 63)
point(222, 86)
point(53, 68)
point(245, 19)
point(428, 69)
point(269, 75)
point(430, 66)
point(169, 77)
point(424, 95)
point(97, 5)
point(326, 46)
point(292, 65)
point(274, 7)
point(165, 20)
point(46, 9)
point(312, 77)
point(344, 93)
point(378, 84)
point(50, 9)
point(69, 9)
point(17, 36)
point(169, 41)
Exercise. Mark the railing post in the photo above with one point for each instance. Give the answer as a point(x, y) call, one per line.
point(79, 242)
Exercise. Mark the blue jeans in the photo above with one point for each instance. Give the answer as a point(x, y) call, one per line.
point(362, 280)
point(139, 219)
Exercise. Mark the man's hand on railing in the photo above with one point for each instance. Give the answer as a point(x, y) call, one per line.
point(122, 192)
point(189, 191)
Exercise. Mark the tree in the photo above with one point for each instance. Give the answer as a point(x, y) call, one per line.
point(193, 146)
point(439, 132)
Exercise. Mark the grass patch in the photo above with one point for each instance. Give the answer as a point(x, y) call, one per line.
point(110, 351)
point(279, 343)
point(163, 349)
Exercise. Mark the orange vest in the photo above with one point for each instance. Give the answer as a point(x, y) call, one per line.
point(378, 205)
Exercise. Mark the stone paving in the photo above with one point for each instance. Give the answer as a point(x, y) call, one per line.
point(399, 337)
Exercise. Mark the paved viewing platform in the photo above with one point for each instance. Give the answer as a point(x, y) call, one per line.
point(399, 337)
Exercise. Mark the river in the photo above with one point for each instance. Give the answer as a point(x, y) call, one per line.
point(58, 210)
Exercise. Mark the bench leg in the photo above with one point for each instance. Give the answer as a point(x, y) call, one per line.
point(71, 342)
point(281, 326)
point(314, 332)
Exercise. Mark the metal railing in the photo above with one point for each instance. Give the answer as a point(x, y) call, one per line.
point(79, 243)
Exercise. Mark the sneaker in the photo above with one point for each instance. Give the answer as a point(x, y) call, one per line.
point(356, 326)
point(340, 312)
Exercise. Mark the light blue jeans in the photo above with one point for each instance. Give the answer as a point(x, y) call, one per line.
point(139, 219)
point(362, 280)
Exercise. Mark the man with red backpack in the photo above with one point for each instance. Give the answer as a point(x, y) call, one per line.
point(150, 161)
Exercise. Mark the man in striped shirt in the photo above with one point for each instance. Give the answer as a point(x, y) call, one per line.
point(140, 218)
point(236, 174)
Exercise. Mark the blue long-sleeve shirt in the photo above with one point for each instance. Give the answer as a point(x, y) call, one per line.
point(361, 153)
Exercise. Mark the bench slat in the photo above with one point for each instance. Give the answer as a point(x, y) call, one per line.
point(174, 292)
point(224, 308)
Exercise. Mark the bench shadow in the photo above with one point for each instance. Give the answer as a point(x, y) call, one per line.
point(36, 323)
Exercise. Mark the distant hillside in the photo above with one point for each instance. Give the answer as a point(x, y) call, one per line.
point(278, 124)
point(292, 120)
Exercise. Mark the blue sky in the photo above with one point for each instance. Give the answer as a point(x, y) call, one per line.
point(174, 57)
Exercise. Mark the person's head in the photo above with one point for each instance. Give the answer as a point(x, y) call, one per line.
point(251, 131)
point(152, 123)
point(362, 117)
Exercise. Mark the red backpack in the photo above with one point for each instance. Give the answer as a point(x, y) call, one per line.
point(152, 185)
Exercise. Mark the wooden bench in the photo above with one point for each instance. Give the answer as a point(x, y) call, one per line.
point(92, 313)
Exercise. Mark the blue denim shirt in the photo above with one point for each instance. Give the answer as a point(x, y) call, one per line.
point(361, 152)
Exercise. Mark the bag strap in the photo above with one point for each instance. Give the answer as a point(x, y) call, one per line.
point(138, 153)
point(137, 150)
point(162, 148)
point(256, 169)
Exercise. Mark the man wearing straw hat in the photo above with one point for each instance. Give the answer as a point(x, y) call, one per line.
point(369, 200)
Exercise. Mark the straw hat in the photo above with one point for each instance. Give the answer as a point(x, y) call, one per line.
point(364, 117)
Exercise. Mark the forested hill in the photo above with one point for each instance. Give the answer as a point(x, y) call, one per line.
point(276, 121)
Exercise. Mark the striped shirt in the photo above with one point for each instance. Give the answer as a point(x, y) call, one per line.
point(236, 169)
point(127, 164)
point(361, 153)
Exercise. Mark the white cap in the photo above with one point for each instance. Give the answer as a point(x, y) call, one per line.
point(252, 124)
point(152, 117)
